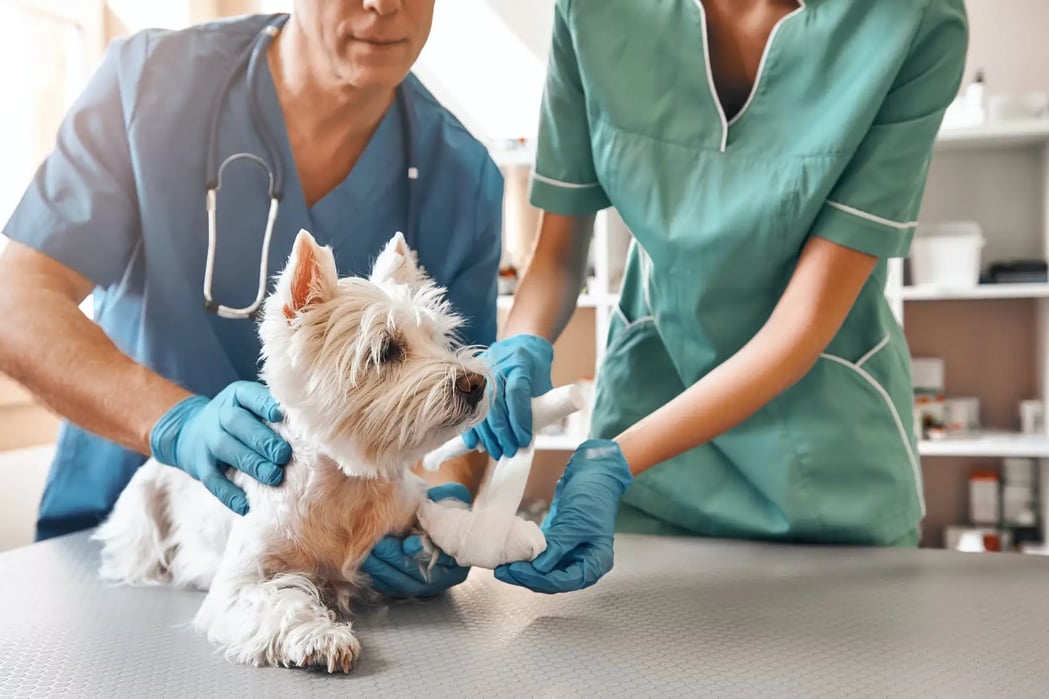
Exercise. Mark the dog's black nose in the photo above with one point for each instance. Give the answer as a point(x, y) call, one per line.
point(471, 387)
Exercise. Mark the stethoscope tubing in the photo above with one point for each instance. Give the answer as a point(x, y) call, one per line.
point(274, 170)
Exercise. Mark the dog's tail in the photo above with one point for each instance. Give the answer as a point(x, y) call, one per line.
point(136, 546)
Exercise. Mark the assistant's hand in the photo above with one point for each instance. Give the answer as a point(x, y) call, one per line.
point(579, 527)
point(202, 437)
point(522, 367)
point(394, 564)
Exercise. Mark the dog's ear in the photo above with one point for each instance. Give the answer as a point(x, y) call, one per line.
point(310, 275)
point(396, 264)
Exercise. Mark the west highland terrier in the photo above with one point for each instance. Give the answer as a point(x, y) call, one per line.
point(369, 379)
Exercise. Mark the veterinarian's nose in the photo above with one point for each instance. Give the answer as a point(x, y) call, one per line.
point(471, 386)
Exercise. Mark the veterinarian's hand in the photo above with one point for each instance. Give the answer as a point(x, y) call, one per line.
point(522, 368)
point(202, 437)
point(395, 565)
point(579, 527)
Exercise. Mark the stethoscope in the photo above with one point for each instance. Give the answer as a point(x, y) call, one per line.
point(274, 170)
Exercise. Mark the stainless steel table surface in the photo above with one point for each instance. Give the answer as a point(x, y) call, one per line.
point(676, 617)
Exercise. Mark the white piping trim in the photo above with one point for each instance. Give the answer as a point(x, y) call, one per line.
point(871, 217)
point(710, 76)
point(627, 323)
point(915, 468)
point(874, 350)
point(566, 185)
point(614, 346)
point(646, 276)
point(765, 55)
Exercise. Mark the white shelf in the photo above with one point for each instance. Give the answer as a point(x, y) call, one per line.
point(1008, 133)
point(558, 442)
point(518, 157)
point(981, 291)
point(988, 444)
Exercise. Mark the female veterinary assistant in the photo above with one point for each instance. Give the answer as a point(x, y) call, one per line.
point(756, 384)
point(119, 205)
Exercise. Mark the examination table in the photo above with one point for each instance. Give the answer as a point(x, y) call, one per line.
point(675, 618)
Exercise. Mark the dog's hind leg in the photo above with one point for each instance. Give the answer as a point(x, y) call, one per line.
point(281, 619)
point(136, 546)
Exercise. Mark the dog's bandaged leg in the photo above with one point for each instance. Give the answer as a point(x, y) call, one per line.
point(491, 534)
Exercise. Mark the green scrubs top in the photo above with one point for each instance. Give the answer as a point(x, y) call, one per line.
point(834, 141)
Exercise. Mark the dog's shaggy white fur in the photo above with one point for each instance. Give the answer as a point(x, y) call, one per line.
point(369, 379)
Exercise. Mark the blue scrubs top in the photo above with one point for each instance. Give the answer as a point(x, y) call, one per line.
point(121, 199)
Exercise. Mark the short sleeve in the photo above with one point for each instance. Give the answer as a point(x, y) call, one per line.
point(473, 292)
point(80, 207)
point(874, 205)
point(564, 181)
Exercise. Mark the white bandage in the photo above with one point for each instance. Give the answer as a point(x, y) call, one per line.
point(491, 534)
point(547, 409)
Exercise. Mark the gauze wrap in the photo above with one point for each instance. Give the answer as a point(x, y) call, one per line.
point(491, 533)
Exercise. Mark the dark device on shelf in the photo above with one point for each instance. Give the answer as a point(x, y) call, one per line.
point(1016, 272)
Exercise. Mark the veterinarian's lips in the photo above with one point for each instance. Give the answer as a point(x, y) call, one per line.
point(378, 44)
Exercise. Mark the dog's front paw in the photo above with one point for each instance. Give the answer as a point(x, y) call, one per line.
point(524, 542)
point(333, 648)
point(480, 537)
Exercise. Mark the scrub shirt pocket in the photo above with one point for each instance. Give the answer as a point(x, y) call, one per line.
point(636, 376)
point(851, 422)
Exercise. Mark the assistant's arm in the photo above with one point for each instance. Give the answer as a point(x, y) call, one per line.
point(824, 286)
point(49, 346)
point(546, 297)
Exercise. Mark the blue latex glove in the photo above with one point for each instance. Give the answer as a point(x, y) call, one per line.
point(579, 527)
point(203, 436)
point(394, 565)
point(522, 368)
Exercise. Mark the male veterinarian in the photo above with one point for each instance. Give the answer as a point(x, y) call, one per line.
point(343, 142)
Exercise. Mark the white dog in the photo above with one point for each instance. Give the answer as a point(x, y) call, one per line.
point(369, 380)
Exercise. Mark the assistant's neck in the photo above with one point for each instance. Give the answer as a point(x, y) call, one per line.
point(312, 95)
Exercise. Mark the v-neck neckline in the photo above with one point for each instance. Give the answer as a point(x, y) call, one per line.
point(355, 186)
point(726, 123)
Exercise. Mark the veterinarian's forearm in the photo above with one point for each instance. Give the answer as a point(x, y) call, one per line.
point(546, 297)
point(52, 349)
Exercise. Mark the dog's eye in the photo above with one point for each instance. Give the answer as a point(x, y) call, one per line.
point(392, 351)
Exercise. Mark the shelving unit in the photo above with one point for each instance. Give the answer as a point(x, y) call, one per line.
point(996, 174)
point(983, 291)
point(988, 444)
point(1032, 132)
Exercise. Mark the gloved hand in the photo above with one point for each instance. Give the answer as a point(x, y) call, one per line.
point(202, 436)
point(394, 565)
point(579, 527)
point(522, 367)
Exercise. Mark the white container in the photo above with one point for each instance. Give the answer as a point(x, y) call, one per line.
point(962, 415)
point(1032, 417)
point(927, 375)
point(984, 498)
point(947, 255)
point(1029, 105)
